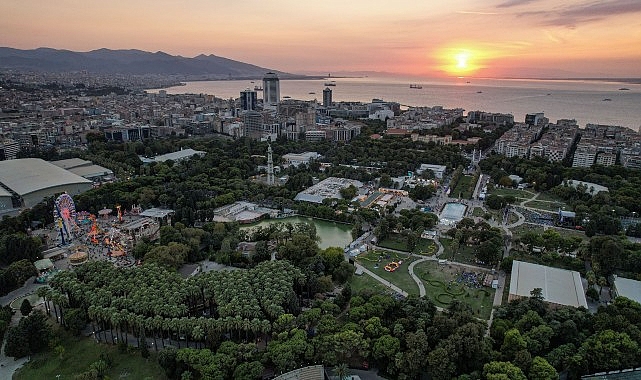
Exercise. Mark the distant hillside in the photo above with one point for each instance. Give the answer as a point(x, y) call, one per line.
point(138, 62)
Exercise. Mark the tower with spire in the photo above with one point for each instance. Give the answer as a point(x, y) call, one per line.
point(270, 166)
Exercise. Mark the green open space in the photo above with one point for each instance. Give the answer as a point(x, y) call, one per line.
point(516, 193)
point(442, 288)
point(80, 353)
point(464, 254)
point(462, 189)
point(543, 205)
point(512, 218)
point(399, 243)
point(548, 196)
point(376, 261)
point(364, 281)
point(524, 228)
point(478, 212)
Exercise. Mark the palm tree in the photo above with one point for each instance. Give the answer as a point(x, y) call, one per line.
point(198, 333)
point(116, 321)
point(341, 371)
point(43, 292)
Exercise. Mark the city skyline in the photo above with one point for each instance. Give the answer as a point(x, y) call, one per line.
point(502, 38)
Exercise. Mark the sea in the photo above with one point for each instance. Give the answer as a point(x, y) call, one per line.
point(586, 101)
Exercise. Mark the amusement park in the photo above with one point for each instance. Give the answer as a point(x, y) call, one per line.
point(79, 236)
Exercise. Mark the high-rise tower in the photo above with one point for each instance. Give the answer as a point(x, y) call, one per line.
point(270, 166)
point(248, 100)
point(271, 90)
point(327, 97)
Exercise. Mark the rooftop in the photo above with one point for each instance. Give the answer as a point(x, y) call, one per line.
point(176, 156)
point(157, 212)
point(27, 175)
point(71, 163)
point(559, 286)
point(627, 288)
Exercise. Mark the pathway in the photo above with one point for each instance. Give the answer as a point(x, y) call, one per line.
point(410, 268)
point(9, 365)
point(381, 280)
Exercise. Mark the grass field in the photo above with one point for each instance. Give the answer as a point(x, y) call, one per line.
point(519, 194)
point(547, 196)
point(441, 287)
point(463, 188)
point(549, 206)
point(79, 353)
point(465, 254)
point(358, 283)
point(376, 261)
point(478, 212)
point(399, 243)
point(512, 218)
point(524, 228)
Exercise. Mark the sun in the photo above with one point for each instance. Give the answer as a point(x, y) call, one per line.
point(460, 61)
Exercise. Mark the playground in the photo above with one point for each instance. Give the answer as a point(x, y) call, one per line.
point(377, 261)
point(446, 282)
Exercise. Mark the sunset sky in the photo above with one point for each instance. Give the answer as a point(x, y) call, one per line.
point(527, 38)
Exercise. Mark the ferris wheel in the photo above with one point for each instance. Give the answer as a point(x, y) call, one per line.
point(64, 214)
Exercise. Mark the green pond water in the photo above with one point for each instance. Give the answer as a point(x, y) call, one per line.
point(331, 234)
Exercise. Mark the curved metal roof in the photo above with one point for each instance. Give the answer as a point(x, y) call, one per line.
point(28, 175)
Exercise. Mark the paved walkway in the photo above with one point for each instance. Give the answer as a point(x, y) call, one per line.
point(410, 268)
point(381, 280)
point(9, 365)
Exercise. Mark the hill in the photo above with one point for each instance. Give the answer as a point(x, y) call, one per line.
point(134, 62)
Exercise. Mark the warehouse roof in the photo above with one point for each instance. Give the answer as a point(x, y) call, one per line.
point(627, 288)
point(4, 193)
point(179, 155)
point(71, 163)
point(559, 286)
point(27, 175)
point(90, 171)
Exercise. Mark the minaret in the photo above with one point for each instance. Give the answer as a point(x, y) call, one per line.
point(270, 166)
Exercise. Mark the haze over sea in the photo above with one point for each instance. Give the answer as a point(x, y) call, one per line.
point(583, 100)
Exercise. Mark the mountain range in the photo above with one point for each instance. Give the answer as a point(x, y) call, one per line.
point(135, 62)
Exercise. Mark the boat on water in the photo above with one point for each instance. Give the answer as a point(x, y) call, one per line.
point(607, 100)
point(286, 97)
point(258, 88)
point(312, 93)
point(331, 84)
point(624, 89)
point(417, 86)
point(479, 92)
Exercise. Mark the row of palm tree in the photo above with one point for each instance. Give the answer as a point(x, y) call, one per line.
point(121, 304)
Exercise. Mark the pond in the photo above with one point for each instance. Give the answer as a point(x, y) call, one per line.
point(331, 234)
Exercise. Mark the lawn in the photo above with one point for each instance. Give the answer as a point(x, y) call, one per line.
point(399, 243)
point(358, 283)
point(465, 254)
point(519, 194)
point(512, 218)
point(441, 286)
point(478, 212)
point(524, 228)
point(79, 353)
point(547, 196)
point(377, 260)
point(549, 206)
point(462, 189)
